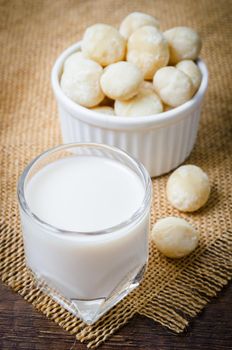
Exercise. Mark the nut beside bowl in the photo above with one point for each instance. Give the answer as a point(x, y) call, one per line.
point(161, 141)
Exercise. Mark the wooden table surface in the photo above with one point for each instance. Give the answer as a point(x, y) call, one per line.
point(21, 327)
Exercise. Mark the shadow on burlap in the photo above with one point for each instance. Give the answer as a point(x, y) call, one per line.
point(33, 33)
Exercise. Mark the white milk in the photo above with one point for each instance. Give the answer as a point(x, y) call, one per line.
point(84, 194)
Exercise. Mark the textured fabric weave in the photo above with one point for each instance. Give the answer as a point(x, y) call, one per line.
point(33, 33)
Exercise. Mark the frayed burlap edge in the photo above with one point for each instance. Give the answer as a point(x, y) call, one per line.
point(189, 293)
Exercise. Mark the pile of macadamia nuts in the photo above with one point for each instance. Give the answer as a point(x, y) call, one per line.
point(134, 71)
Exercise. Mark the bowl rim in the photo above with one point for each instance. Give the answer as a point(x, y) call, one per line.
point(116, 122)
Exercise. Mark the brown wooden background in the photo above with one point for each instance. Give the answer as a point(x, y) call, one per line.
point(23, 328)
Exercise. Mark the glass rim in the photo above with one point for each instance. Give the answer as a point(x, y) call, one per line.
point(133, 218)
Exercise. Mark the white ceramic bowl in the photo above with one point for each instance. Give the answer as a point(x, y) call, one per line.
point(161, 142)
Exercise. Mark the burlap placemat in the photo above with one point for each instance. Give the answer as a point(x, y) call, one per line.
point(33, 33)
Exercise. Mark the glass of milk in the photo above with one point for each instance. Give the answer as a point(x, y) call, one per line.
point(85, 217)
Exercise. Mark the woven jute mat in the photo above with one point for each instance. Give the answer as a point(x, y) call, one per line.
point(33, 33)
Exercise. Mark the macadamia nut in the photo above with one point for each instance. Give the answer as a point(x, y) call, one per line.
point(104, 109)
point(191, 69)
point(72, 60)
point(103, 44)
point(188, 188)
point(82, 83)
point(173, 86)
point(174, 237)
point(148, 49)
point(136, 20)
point(184, 43)
point(121, 80)
point(146, 102)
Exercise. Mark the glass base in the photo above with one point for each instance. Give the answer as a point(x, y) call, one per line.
point(89, 311)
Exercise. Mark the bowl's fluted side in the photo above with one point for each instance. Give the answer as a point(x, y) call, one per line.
point(159, 149)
